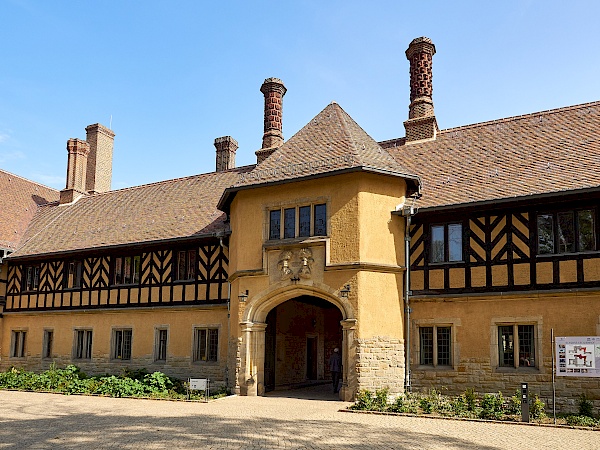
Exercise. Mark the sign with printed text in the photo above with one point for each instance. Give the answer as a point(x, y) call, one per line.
point(198, 384)
point(578, 356)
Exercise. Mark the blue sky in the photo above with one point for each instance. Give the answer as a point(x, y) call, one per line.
point(174, 75)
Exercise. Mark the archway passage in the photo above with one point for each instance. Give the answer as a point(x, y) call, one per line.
point(300, 337)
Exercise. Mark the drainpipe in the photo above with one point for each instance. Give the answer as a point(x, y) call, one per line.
point(407, 213)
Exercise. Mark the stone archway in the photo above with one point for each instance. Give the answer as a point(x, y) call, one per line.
point(252, 347)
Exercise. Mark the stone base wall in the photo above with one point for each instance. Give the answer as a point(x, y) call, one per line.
point(478, 374)
point(181, 368)
point(380, 364)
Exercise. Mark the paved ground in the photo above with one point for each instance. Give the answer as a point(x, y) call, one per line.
point(29, 420)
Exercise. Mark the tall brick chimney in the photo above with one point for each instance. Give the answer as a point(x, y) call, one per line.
point(226, 147)
point(421, 124)
point(99, 168)
point(273, 90)
point(76, 170)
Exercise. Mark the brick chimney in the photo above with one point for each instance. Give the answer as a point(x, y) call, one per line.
point(76, 170)
point(273, 90)
point(99, 168)
point(226, 147)
point(421, 124)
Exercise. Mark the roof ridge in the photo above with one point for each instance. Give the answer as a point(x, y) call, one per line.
point(519, 117)
point(28, 180)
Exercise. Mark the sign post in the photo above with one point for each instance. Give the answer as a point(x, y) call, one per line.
point(199, 384)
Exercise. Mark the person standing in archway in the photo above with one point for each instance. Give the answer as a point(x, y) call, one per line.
point(335, 367)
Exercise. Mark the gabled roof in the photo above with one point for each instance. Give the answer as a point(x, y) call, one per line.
point(19, 199)
point(541, 153)
point(330, 143)
point(169, 210)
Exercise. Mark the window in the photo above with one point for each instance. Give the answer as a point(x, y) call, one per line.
point(47, 344)
point(83, 344)
point(126, 270)
point(446, 243)
point(17, 346)
point(73, 274)
point(566, 232)
point(435, 345)
point(516, 345)
point(160, 345)
point(206, 344)
point(122, 344)
point(31, 278)
point(186, 265)
point(302, 221)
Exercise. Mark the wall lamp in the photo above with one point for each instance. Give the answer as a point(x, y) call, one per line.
point(243, 296)
point(345, 291)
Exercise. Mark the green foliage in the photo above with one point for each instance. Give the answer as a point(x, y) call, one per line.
point(130, 383)
point(537, 408)
point(367, 401)
point(586, 407)
point(582, 421)
point(404, 404)
point(492, 406)
point(470, 397)
point(513, 405)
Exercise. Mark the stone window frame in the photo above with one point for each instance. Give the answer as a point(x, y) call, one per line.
point(48, 343)
point(87, 344)
point(157, 344)
point(119, 348)
point(296, 205)
point(18, 343)
point(196, 328)
point(497, 322)
point(453, 324)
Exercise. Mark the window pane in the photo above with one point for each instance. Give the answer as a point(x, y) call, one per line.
point(526, 346)
point(48, 339)
point(545, 234)
point(118, 271)
point(566, 232)
point(127, 270)
point(289, 223)
point(426, 342)
point(191, 269)
point(455, 242)
point(304, 224)
point(181, 265)
point(136, 269)
point(437, 243)
point(506, 346)
point(126, 344)
point(320, 220)
point(213, 344)
point(585, 223)
point(443, 346)
point(201, 345)
point(161, 354)
point(275, 224)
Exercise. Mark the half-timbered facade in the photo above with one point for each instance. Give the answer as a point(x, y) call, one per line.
point(445, 258)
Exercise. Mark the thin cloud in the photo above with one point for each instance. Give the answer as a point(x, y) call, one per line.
point(50, 180)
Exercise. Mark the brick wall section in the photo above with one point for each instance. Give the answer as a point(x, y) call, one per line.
point(99, 167)
point(380, 363)
point(226, 147)
point(478, 374)
point(76, 170)
point(421, 123)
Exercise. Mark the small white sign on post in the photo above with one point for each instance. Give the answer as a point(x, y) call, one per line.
point(199, 384)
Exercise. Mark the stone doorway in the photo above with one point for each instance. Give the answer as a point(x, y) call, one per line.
point(300, 336)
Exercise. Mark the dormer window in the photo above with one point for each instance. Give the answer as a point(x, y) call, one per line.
point(298, 221)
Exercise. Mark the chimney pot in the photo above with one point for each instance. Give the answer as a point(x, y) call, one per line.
point(273, 90)
point(226, 147)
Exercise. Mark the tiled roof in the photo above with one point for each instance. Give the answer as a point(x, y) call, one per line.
point(174, 209)
point(19, 200)
point(330, 142)
point(541, 153)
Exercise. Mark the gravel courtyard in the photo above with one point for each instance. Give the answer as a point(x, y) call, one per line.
point(306, 419)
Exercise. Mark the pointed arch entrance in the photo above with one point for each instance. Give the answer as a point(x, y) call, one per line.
point(287, 336)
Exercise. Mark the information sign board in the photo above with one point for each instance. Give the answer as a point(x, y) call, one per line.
point(578, 356)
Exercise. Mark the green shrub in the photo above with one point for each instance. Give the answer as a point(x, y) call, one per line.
point(582, 421)
point(537, 408)
point(470, 397)
point(406, 403)
point(513, 405)
point(586, 407)
point(492, 406)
